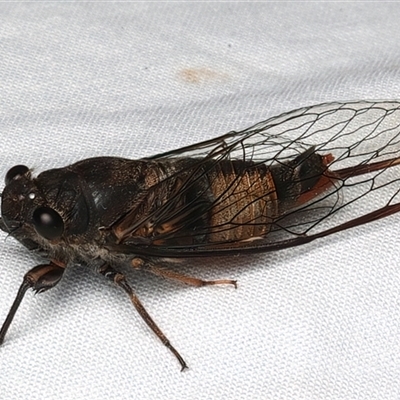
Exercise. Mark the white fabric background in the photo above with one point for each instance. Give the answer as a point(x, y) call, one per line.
point(132, 79)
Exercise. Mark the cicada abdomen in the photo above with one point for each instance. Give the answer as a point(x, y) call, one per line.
point(244, 201)
point(224, 202)
point(246, 198)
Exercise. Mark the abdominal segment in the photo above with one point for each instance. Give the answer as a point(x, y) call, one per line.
point(248, 199)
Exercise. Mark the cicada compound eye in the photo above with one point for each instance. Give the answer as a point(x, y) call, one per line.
point(15, 172)
point(48, 223)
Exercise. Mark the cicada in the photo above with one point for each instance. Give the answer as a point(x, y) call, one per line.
point(283, 182)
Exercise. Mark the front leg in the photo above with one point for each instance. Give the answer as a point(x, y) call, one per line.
point(40, 278)
point(120, 280)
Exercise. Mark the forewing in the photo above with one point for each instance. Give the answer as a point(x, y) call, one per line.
point(363, 138)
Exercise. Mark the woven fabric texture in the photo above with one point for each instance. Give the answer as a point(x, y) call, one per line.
point(79, 80)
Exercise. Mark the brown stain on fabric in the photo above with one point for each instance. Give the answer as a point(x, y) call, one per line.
point(201, 75)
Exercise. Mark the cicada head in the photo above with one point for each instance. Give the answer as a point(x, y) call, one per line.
point(45, 210)
point(17, 201)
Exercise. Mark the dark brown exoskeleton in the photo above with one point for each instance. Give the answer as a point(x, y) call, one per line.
point(278, 184)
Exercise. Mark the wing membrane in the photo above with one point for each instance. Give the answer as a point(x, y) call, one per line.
point(362, 140)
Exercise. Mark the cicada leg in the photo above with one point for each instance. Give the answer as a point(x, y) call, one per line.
point(40, 278)
point(138, 263)
point(120, 280)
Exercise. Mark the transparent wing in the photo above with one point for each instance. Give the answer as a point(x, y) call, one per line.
point(361, 142)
